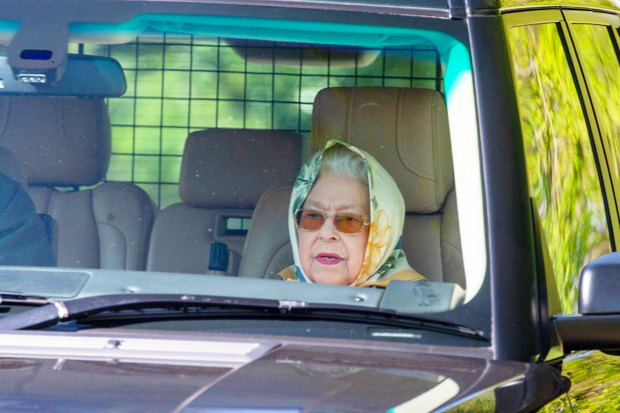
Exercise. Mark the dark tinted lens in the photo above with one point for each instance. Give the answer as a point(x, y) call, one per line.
point(310, 220)
point(348, 223)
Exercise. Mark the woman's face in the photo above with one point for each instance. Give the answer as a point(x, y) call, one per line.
point(328, 256)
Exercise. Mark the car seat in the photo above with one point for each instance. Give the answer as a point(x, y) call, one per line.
point(223, 174)
point(64, 144)
point(406, 130)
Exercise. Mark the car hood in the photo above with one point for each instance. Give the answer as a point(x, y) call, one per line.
point(76, 373)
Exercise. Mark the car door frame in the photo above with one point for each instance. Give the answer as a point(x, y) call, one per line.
point(549, 348)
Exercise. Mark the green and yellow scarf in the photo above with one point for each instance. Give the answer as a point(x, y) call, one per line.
point(384, 261)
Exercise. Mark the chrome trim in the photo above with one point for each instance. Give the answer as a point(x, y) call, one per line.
point(62, 309)
point(134, 348)
point(289, 304)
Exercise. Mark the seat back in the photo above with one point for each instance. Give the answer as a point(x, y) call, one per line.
point(267, 249)
point(406, 130)
point(223, 174)
point(64, 143)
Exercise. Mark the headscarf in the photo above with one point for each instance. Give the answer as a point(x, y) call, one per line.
point(384, 261)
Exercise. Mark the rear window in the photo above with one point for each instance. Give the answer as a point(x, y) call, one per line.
point(178, 84)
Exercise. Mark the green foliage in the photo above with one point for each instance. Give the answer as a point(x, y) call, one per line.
point(482, 403)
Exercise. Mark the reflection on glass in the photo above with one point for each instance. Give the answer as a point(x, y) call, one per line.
point(595, 376)
point(430, 399)
point(601, 66)
point(595, 379)
point(562, 171)
point(481, 403)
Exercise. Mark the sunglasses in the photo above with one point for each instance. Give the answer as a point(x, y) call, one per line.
point(345, 222)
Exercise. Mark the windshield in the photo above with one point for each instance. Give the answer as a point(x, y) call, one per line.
point(322, 163)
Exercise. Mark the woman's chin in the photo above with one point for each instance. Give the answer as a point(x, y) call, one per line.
point(329, 275)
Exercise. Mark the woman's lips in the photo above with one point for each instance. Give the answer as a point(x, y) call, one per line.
point(329, 259)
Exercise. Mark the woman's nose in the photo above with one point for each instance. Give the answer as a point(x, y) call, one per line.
point(328, 231)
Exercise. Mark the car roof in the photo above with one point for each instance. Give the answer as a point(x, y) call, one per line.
point(121, 10)
point(443, 5)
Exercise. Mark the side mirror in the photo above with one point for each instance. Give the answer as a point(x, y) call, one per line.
point(599, 287)
point(597, 326)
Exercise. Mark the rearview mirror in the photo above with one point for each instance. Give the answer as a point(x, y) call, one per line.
point(84, 76)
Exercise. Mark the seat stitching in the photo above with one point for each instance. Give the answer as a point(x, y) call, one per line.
point(436, 161)
point(124, 239)
point(142, 243)
point(451, 245)
point(402, 153)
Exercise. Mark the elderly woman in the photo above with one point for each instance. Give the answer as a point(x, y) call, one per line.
point(346, 221)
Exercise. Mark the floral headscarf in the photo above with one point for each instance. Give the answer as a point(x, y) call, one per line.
point(384, 261)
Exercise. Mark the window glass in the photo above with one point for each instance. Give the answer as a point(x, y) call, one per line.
point(562, 171)
point(601, 66)
point(217, 117)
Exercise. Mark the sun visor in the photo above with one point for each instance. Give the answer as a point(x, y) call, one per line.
point(292, 54)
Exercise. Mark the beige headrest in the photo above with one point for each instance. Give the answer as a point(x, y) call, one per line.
point(406, 130)
point(11, 166)
point(231, 168)
point(60, 141)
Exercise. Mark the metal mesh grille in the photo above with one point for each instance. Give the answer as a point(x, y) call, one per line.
point(179, 84)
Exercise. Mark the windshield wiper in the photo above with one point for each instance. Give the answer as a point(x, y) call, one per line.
point(137, 305)
point(17, 298)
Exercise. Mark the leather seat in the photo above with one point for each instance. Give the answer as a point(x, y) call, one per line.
point(64, 144)
point(406, 130)
point(267, 249)
point(223, 174)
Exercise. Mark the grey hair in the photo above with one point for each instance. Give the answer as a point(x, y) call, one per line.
point(341, 161)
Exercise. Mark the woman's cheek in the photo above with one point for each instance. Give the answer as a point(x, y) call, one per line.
point(357, 253)
point(305, 252)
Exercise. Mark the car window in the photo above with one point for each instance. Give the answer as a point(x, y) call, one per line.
point(178, 84)
point(563, 176)
point(216, 116)
point(600, 62)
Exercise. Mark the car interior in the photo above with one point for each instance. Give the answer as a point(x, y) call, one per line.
point(221, 208)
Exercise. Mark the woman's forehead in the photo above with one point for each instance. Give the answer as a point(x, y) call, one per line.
point(337, 192)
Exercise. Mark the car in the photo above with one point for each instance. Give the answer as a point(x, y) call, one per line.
point(154, 147)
